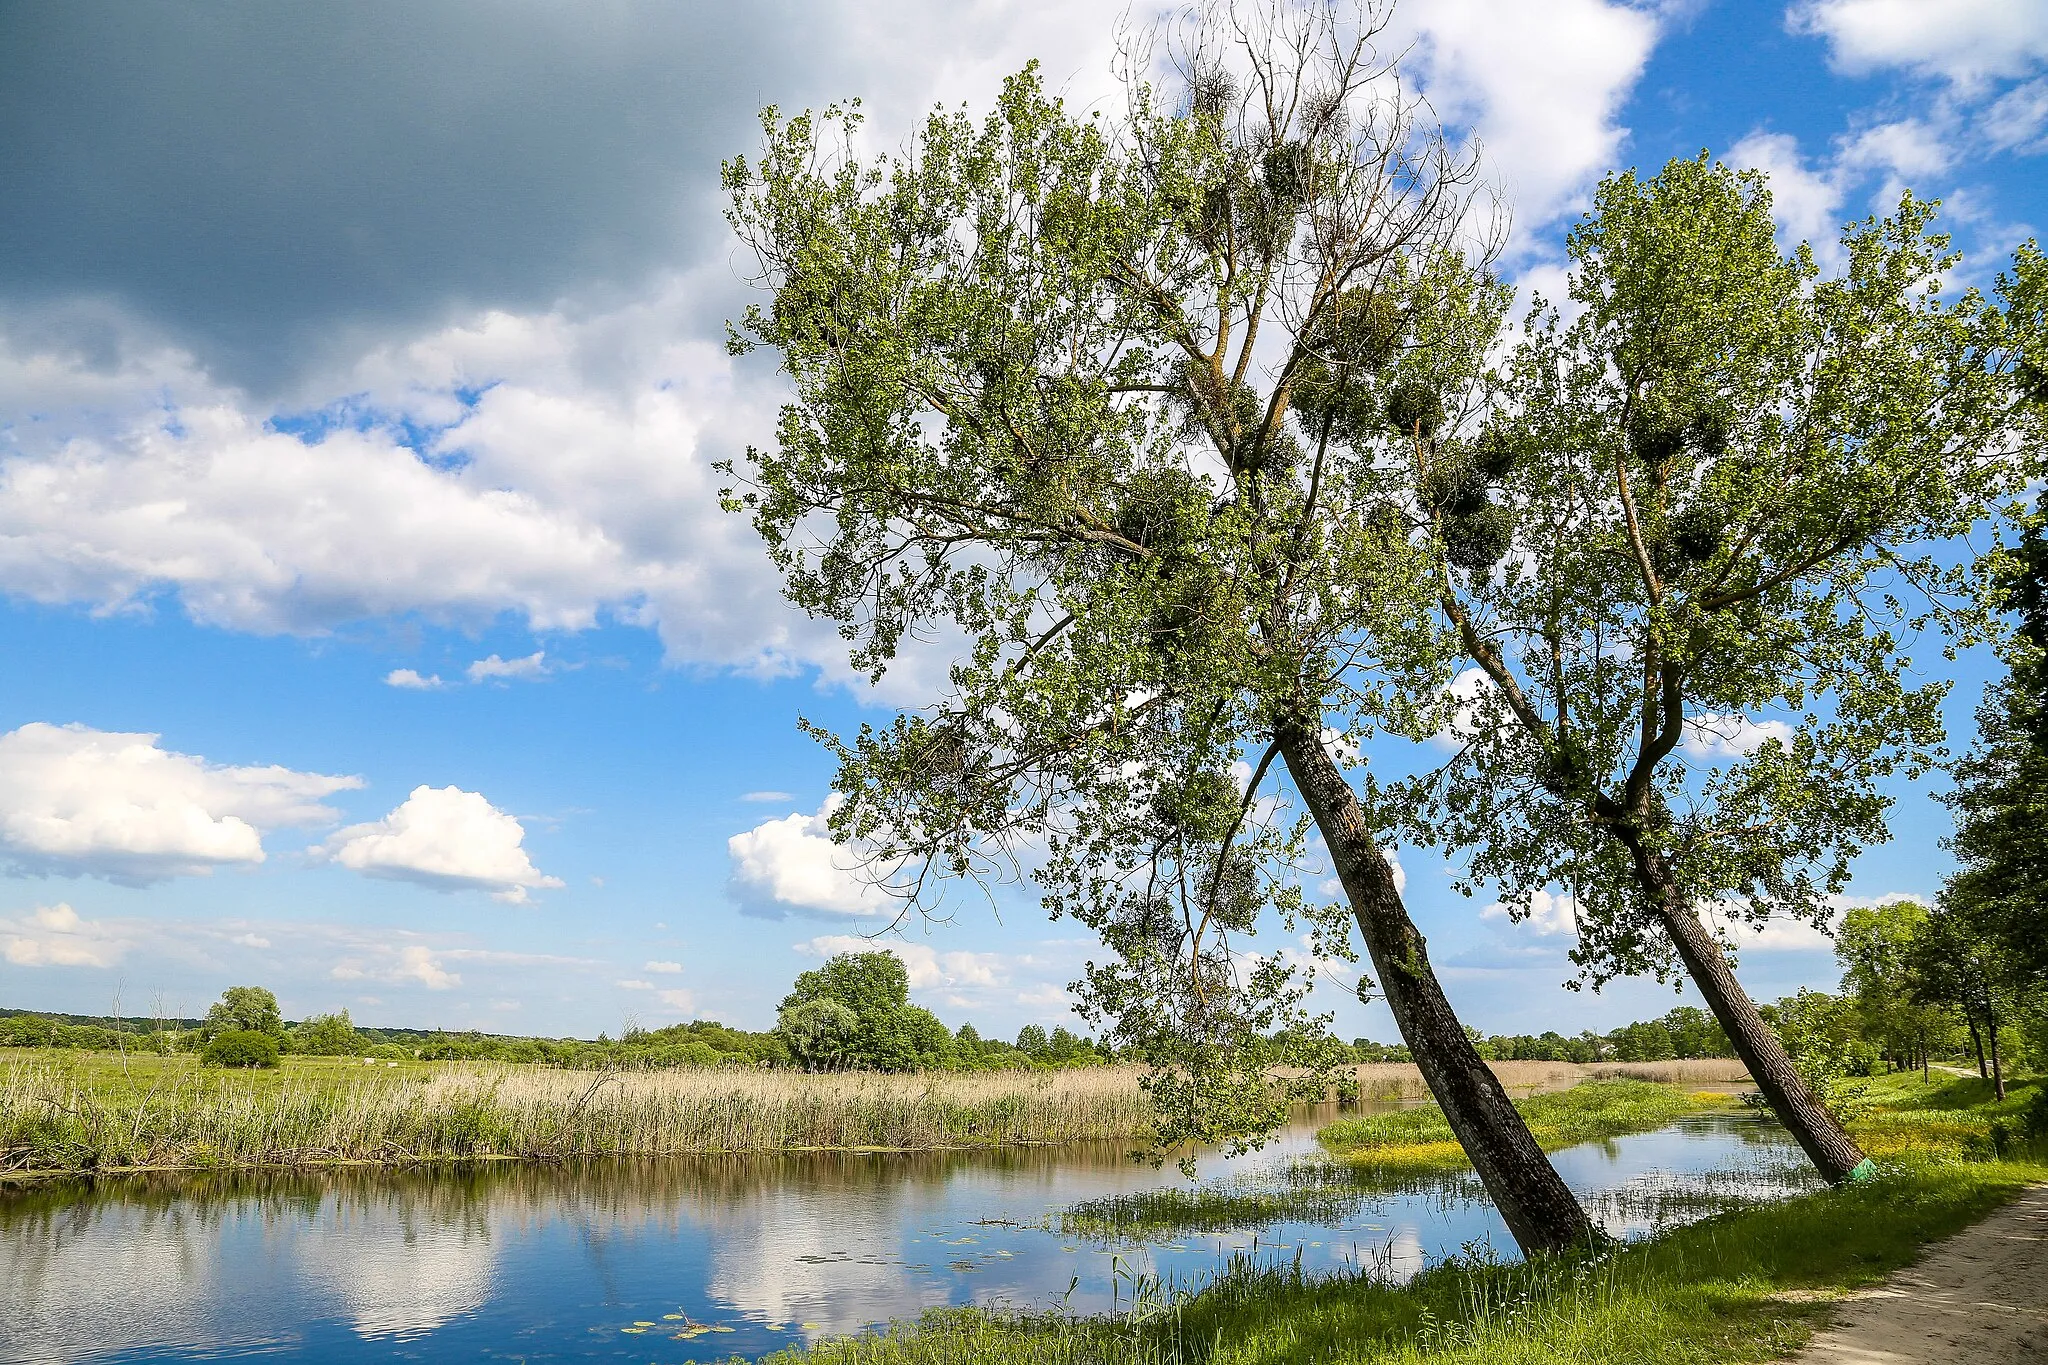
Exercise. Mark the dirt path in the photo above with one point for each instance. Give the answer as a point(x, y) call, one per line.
point(1979, 1298)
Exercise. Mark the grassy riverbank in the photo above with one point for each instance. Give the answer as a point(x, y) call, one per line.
point(1413, 1141)
point(157, 1113)
point(1747, 1285)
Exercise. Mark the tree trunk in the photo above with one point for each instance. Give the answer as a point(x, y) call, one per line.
point(1540, 1210)
point(1926, 1071)
point(1997, 1071)
point(1977, 1042)
point(1833, 1152)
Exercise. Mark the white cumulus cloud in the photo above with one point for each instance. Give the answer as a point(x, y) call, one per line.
point(927, 967)
point(1964, 41)
point(1715, 735)
point(792, 864)
point(412, 678)
point(1548, 914)
point(1541, 85)
point(55, 936)
point(533, 665)
point(445, 838)
point(662, 968)
point(83, 802)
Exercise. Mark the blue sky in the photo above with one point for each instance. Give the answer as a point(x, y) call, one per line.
point(374, 632)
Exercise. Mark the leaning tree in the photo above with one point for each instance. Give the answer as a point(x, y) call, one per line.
point(1695, 533)
point(1076, 390)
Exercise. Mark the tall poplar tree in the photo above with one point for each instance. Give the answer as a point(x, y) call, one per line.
point(1102, 395)
point(2000, 800)
point(1692, 534)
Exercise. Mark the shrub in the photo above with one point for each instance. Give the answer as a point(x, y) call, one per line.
point(240, 1047)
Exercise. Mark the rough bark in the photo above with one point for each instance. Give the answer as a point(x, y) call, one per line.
point(1997, 1070)
point(1977, 1042)
point(1540, 1209)
point(1833, 1152)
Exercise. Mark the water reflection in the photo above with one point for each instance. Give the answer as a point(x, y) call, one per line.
point(640, 1260)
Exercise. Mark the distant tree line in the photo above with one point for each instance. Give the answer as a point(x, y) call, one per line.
point(851, 1014)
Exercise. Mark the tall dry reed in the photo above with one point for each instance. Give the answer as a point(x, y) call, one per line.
point(51, 1121)
point(1403, 1080)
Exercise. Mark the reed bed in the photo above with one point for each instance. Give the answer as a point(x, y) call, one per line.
point(1403, 1080)
point(54, 1121)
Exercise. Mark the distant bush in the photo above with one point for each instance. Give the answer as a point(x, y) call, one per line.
point(388, 1052)
point(240, 1047)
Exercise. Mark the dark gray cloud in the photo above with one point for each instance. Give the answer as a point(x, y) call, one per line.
point(259, 180)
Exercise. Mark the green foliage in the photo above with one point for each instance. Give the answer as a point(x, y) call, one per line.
point(855, 1013)
point(1897, 1010)
point(1820, 1035)
point(241, 1047)
point(2000, 800)
point(1960, 961)
point(820, 1034)
point(328, 1035)
point(1730, 478)
point(1025, 410)
point(244, 1008)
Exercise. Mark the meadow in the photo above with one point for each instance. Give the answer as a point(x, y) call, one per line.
point(65, 1110)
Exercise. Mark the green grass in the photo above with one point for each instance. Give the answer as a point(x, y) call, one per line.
point(1307, 1192)
point(1898, 1117)
point(1417, 1141)
point(1750, 1284)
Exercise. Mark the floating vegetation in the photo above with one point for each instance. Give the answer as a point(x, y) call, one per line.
point(1305, 1192)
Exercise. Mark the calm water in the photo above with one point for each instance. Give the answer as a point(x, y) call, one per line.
point(549, 1263)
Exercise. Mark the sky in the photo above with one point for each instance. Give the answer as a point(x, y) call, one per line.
point(372, 629)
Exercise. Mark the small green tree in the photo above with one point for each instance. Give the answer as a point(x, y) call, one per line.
point(1101, 394)
point(888, 1033)
point(328, 1035)
point(1957, 960)
point(240, 1047)
point(1685, 536)
point(1894, 1008)
point(250, 1008)
point(819, 1033)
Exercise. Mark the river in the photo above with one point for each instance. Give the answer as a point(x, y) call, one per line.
point(705, 1258)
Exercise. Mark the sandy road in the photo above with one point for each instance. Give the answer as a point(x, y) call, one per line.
point(1979, 1298)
